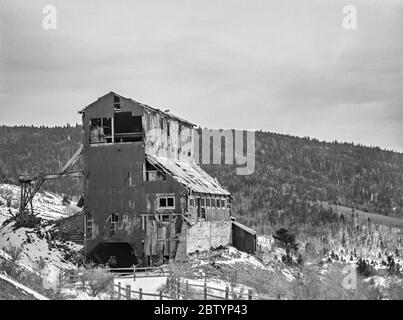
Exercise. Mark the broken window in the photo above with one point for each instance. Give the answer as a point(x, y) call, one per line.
point(191, 202)
point(218, 203)
point(152, 173)
point(89, 223)
point(113, 220)
point(128, 128)
point(101, 130)
point(166, 202)
point(116, 102)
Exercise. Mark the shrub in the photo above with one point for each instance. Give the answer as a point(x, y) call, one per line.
point(99, 281)
point(286, 239)
point(364, 268)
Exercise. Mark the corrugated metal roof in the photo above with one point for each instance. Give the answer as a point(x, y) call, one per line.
point(243, 227)
point(188, 174)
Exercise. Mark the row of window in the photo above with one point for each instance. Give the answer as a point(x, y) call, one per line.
point(166, 202)
point(218, 203)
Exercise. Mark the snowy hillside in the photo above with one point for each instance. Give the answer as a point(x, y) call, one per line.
point(35, 244)
point(47, 206)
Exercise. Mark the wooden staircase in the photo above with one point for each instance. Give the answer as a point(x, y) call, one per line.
point(77, 238)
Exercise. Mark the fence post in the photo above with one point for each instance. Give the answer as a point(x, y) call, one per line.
point(187, 288)
point(141, 293)
point(178, 288)
point(134, 272)
point(128, 292)
point(249, 294)
point(119, 291)
point(226, 293)
point(160, 295)
point(205, 290)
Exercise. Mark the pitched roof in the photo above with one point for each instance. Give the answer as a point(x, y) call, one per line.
point(145, 106)
point(243, 227)
point(188, 174)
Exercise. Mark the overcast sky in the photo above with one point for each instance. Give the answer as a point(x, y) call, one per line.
point(281, 66)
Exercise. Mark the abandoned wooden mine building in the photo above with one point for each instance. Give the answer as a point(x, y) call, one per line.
point(146, 200)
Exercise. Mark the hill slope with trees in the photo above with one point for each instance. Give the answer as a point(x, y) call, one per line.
point(291, 175)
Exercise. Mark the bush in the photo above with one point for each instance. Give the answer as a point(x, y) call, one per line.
point(286, 239)
point(364, 269)
point(99, 280)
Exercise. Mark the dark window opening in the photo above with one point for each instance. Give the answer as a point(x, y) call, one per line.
point(192, 203)
point(163, 202)
point(170, 202)
point(218, 203)
point(208, 203)
point(128, 128)
point(116, 102)
point(223, 203)
point(166, 202)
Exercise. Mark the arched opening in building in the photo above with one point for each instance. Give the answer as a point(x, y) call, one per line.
point(114, 254)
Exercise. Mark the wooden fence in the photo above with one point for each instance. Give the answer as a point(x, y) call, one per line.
point(126, 293)
point(144, 272)
point(175, 288)
point(179, 290)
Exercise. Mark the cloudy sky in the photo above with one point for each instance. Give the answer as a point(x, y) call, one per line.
point(282, 66)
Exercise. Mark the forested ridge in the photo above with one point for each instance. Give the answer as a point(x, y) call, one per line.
point(291, 174)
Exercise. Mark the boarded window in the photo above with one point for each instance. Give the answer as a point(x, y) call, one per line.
point(152, 174)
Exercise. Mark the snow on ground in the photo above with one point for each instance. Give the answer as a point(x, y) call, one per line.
point(233, 256)
point(35, 247)
point(147, 284)
point(47, 206)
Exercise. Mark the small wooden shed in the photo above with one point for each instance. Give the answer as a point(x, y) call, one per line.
point(243, 238)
